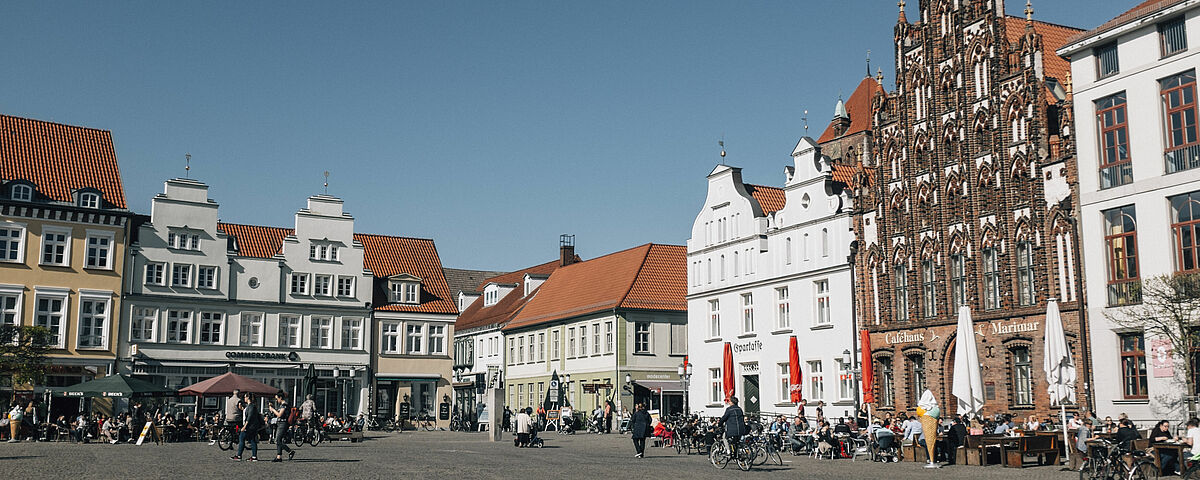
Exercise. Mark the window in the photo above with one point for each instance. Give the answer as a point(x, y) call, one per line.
point(608, 337)
point(1179, 112)
point(824, 242)
point(144, 324)
point(49, 315)
point(414, 337)
point(554, 345)
point(714, 318)
point(183, 241)
point(181, 275)
point(845, 381)
point(596, 345)
point(211, 324)
point(804, 247)
point(641, 337)
point(289, 331)
point(958, 280)
point(991, 279)
point(816, 381)
point(722, 268)
point(56, 247)
point(822, 296)
point(345, 286)
point(736, 264)
point(785, 383)
point(251, 330)
point(901, 278)
point(299, 284)
point(326, 252)
point(322, 285)
point(390, 340)
point(928, 288)
point(916, 377)
point(437, 340)
point(541, 346)
point(708, 270)
point(783, 310)
point(321, 334)
point(1022, 376)
point(407, 292)
point(521, 349)
point(1172, 36)
point(1120, 237)
point(716, 385)
point(1185, 222)
point(11, 239)
point(93, 323)
point(99, 252)
point(747, 313)
point(521, 395)
point(89, 200)
point(352, 330)
point(1133, 365)
point(1115, 166)
point(787, 251)
point(22, 193)
point(1025, 293)
point(490, 297)
point(583, 341)
point(887, 393)
point(1106, 60)
point(179, 326)
point(206, 277)
point(156, 273)
point(679, 339)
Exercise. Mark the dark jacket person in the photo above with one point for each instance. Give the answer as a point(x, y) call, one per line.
point(639, 426)
point(734, 420)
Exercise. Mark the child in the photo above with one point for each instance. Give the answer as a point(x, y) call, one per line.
point(1081, 449)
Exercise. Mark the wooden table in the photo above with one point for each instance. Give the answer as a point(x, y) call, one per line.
point(1178, 448)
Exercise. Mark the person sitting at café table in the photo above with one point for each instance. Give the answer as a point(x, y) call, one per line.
point(825, 439)
point(1192, 437)
point(1032, 425)
point(1108, 426)
point(912, 430)
point(1166, 457)
point(1082, 435)
point(842, 427)
point(1126, 434)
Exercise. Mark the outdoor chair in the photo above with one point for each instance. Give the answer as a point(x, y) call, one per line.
point(858, 447)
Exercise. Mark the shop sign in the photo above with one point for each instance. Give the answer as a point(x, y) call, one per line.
point(997, 328)
point(1160, 355)
point(747, 347)
point(657, 376)
point(892, 338)
point(285, 357)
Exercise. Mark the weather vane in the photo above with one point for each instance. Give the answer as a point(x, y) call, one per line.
point(721, 143)
point(327, 182)
point(805, 118)
point(187, 165)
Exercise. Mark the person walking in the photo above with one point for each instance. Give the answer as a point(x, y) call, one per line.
point(608, 415)
point(639, 426)
point(252, 422)
point(1082, 435)
point(524, 422)
point(280, 411)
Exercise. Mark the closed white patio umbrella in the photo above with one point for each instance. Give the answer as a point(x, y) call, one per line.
point(1059, 366)
point(968, 377)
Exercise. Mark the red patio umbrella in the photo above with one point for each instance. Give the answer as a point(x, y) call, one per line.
point(728, 371)
point(867, 366)
point(225, 384)
point(796, 381)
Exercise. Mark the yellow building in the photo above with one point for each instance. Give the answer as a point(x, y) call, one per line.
point(64, 226)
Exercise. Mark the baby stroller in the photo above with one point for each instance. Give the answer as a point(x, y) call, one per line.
point(886, 449)
point(535, 440)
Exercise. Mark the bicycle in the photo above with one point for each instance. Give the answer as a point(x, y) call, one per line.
point(310, 434)
point(1111, 464)
point(226, 436)
point(722, 452)
point(425, 420)
point(1192, 470)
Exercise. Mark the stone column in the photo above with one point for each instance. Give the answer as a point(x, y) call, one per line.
point(494, 402)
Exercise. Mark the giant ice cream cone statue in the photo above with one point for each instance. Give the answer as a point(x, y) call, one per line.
point(927, 409)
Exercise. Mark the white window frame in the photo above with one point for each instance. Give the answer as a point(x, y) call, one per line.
point(317, 285)
point(298, 283)
point(320, 333)
point(412, 293)
point(609, 336)
point(252, 326)
point(785, 382)
point(714, 318)
point(747, 313)
point(92, 262)
point(643, 337)
point(348, 292)
point(10, 245)
point(103, 319)
point(845, 381)
point(323, 251)
point(555, 350)
point(597, 347)
point(187, 283)
point(183, 317)
point(352, 333)
point(821, 302)
point(89, 200)
point(212, 280)
point(138, 328)
point(716, 385)
point(414, 336)
point(391, 340)
point(61, 294)
point(583, 340)
point(289, 329)
point(816, 380)
point(211, 324)
point(570, 342)
point(65, 244)
point(437, 340)
point(541, 348)
point(783, 308)
point(149, 279)
point(21, 193)
point(17, 293)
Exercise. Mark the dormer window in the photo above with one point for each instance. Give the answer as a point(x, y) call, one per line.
point(405, 289)
point(23, 193)
point(491, 295)
point(323, 251)
point(180, 240)
point(89, 200)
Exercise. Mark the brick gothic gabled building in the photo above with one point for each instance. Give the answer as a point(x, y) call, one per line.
point(975, 159)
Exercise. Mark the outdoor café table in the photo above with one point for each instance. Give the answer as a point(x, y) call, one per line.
point(1179, 449)
point(807, 439)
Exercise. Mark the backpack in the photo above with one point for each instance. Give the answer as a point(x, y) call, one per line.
point(293, 415)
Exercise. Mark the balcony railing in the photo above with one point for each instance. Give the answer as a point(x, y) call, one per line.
point(1125, 293)
point(1116, 175)
point(1182, 158)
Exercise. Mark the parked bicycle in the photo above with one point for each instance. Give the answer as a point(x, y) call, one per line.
point(1107, 461)
point(424, 420)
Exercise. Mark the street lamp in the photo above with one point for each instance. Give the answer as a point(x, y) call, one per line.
point(685, 377)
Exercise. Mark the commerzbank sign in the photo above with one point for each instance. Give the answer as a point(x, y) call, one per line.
point(983, 330)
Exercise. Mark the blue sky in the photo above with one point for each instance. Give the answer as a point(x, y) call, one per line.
point(491, 127)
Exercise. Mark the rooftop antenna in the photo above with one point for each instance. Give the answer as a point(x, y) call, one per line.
point(721, 142)
point(327, 182)
point(187, 165)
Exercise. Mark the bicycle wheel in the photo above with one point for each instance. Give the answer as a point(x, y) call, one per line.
point(428, 425)
point(774, 456)
point(225, 439)
point(1192, 473)
point(718, 455)
point(1144, 470)
point(758, 453)
point(745, 458)
point(299, 436)
point(314, 437)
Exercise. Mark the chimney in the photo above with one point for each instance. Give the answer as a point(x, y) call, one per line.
point(566, 249)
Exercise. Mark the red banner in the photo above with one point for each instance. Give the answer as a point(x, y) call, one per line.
point(868, 367)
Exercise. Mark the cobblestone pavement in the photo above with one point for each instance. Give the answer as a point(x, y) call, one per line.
point(449, 455)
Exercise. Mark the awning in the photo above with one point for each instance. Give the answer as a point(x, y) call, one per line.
point(667, 386)
point(409, 377)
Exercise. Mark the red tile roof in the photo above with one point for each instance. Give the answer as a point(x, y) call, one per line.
point(60, 159)
point(771, 199)
point(256, 241)
point(846, 174)
point(648, 277)
point(477, 315)
point(1054, 37)
point(858, 106)
point(386, 256)
point(1141, 10)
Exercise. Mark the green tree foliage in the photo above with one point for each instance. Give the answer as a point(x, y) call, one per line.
point(23, 352)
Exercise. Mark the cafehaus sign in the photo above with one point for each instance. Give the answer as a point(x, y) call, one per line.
point(983, 330)
point(284, 357)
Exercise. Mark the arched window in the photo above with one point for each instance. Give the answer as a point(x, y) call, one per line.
point(824, 242)
point(23, 193)
point(89, 200)
point(736, 270)
point(787, 251)
point(722, 268)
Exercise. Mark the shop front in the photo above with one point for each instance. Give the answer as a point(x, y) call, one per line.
point(407, 396)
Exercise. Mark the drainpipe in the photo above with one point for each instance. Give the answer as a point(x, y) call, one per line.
point(854, 354)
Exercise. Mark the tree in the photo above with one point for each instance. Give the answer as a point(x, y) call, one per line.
point(23, 352)
point(1170, 310)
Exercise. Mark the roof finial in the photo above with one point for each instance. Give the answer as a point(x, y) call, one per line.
point(868, 63)
point(879, 75)
point(187, 165)
point(805, 118)
point(721, 142)
point(327, 182)
point(1028, 10)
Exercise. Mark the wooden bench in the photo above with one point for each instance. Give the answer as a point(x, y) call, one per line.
point(353, 437)
point(982, 449)
point(1042, 446)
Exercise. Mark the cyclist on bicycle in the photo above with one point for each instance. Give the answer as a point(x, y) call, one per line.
point(734, 421)
point(307, 409)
